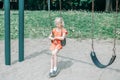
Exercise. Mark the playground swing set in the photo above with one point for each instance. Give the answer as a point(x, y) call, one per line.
point(93, 54)
point(21, 34)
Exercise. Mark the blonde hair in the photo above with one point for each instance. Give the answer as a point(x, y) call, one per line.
point(59, 20)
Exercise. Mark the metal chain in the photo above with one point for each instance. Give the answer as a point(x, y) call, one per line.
point(60, 5)
point(92, 29)
point(114, 46)
point(49, 13)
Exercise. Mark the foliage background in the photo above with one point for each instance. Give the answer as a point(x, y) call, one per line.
point(78, 23)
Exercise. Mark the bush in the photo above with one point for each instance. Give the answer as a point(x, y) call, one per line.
point(38, 24)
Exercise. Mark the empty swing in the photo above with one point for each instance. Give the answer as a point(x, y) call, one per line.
point(93, 54)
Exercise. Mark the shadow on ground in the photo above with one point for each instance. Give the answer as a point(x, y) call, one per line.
point(62, 64)
point(33, 55)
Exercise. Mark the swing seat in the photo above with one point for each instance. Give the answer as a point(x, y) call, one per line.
point(98, 63)
point(63, 42)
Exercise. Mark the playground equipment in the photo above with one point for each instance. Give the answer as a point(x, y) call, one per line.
point(93, 55)
point(21, 34)
point(7, 31)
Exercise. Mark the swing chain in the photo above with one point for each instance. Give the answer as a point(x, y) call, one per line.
point(49, 13)
point(60, 5)
point(114, 47)
point(92, 29)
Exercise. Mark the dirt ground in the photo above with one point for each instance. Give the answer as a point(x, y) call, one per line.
point(74, 61)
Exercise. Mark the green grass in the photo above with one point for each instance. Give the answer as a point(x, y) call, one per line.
point(78, 23)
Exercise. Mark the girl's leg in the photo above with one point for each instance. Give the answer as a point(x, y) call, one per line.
point(52, 62)
point(55, 59)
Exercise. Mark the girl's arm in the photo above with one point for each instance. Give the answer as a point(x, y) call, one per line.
point(50, 36)
point(62, 37)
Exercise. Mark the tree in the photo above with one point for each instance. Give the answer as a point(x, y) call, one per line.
point(108, 6)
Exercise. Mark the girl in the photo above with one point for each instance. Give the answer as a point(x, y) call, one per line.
point(57, 34)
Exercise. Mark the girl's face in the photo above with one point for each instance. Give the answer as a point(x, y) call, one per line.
point(58, 25)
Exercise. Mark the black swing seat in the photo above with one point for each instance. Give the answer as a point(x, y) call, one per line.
point(97, 62)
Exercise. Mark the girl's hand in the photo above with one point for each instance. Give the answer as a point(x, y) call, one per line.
point(59, 38)
point(52, 39)
point(55, 38)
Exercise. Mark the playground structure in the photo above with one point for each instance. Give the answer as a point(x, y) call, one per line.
point(74, 60)
point(21, 31)
point(7, 32)
point(93, 54)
